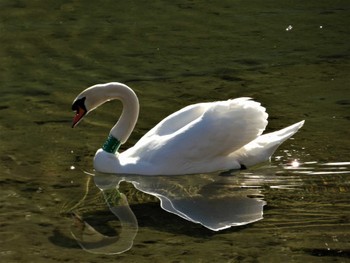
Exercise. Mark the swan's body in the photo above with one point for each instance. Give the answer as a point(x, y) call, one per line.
point(199, 138)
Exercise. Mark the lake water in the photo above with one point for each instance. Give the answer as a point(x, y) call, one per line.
point(292, 56)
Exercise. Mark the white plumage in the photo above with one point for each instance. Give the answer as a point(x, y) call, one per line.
point(199, 138)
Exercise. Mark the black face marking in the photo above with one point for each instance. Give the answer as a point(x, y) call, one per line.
point(80, 103)
point(80, 111)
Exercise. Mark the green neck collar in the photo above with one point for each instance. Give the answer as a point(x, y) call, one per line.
point(111, 145)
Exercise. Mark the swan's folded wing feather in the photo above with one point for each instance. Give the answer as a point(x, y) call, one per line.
point(176, 121)
point(203, 131)
point(261, 149)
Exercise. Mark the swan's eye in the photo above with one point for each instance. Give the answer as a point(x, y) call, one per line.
point(80, 111)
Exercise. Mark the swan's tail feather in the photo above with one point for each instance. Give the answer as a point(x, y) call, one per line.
point(261, 149)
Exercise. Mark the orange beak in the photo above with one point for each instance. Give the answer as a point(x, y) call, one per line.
point(80, 113)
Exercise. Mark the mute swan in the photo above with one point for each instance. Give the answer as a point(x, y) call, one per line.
point(200, 138)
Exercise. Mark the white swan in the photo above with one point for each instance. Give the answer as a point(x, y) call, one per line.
point(200, 138)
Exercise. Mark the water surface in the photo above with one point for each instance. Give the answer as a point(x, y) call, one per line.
point(291, 56)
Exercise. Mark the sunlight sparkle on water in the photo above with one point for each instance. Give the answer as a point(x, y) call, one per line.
point(295, 164)
point(289, 28)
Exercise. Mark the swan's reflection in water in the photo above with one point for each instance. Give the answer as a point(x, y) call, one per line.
point(93, 241)
point(216, 202)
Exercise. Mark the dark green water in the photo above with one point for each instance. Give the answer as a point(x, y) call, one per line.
point(174, 53)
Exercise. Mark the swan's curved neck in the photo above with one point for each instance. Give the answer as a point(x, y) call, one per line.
point(121, 131)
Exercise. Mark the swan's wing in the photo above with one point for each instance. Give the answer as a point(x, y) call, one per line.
point(176, 121)
point(261, 149)
point(202, 131)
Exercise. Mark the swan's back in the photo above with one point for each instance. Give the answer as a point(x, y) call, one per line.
point(201, 132)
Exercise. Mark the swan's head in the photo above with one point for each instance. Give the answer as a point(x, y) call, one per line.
point(87, 101)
